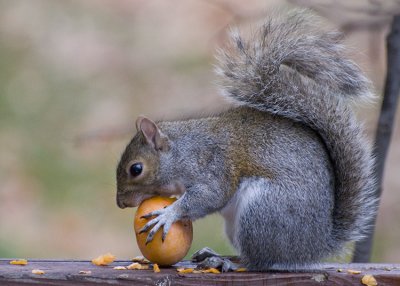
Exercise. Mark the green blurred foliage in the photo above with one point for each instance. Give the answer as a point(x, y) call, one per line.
point(59, 61)
point(73, 77)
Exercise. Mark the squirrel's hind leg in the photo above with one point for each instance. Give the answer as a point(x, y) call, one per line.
point(245, 237)
point(270, 225)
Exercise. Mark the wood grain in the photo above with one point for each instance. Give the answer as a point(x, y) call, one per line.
point(66, 272)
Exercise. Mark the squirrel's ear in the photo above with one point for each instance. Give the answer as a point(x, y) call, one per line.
point(138, 121)
point(152, 133)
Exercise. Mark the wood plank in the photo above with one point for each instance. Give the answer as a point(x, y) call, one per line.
point(66, 272)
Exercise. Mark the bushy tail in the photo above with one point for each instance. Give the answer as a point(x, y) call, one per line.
point(293, 69)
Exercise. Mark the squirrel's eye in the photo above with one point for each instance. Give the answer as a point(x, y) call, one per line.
point(136, 169)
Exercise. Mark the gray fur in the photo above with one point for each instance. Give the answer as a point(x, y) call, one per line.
point(289, 170)
point(296, 71)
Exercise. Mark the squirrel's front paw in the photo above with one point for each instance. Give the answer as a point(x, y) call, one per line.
point(164, 218)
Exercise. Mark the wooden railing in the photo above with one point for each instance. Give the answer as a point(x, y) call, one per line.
point(69, 272)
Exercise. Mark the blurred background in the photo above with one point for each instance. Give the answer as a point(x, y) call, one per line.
point(74, 75)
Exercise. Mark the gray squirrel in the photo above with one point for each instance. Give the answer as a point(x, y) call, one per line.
point(287, 166)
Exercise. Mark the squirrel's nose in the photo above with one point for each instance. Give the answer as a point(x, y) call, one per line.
point(120, 202)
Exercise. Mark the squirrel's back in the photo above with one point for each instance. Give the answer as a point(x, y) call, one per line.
point(257, 143)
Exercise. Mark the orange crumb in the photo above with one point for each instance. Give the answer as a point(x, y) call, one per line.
point(211, 270)
point(185, 270)
point(103, 259)
point(137, 266)
point(156, 268)
point(19, 262)
point(351, 271)
point(369, 280)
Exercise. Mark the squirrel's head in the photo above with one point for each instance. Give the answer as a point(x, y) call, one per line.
point(138, 169)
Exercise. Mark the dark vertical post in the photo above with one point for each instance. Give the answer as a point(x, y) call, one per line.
point(363, 248)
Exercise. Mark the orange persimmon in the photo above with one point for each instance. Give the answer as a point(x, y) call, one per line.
point(177, 242)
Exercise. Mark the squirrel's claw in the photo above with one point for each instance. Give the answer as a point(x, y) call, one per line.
point(151, 222)
point(164, 218)
point(153, 231)
point(208, 258)
point(166, 228)
point(147, 226)
point(154, 213)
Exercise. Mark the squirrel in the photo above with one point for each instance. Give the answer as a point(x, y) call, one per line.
point(288, 165)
